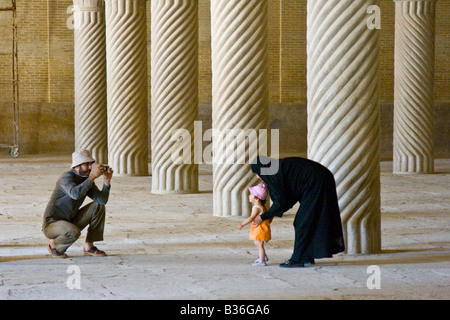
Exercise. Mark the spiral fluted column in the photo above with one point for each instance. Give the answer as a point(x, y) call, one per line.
point(343, 112)
point(126, 44)
point(240, 97)
point(413, 89)
point(174, 58)
point(90, 78)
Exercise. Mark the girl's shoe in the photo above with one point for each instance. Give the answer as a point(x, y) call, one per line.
point(259, 263)
point(266, 258)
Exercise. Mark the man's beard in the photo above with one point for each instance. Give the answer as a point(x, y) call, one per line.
point(85, 173)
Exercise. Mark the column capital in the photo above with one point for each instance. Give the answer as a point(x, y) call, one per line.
point(415, 0)
point(88, 5)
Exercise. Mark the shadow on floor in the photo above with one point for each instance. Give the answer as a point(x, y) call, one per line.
point(396, 256)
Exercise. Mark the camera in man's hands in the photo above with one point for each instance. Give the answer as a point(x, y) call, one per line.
point(105, 168)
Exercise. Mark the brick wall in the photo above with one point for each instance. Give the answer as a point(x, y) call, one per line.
point(34, 66)
point(46, 69)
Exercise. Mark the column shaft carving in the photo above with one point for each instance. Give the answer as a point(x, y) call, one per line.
point(240, 96)
point(343, 112)
point(127, 86)
point(174, 92)
point(90, 78)
point(414, 81)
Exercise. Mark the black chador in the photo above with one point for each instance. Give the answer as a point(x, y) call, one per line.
point(318, 228)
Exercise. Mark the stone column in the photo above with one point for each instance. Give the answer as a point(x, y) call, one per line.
point(414, 81)
point(127, 86)
point(343, 112)
point(174, 58)
point(90, 78)
point(240, 97)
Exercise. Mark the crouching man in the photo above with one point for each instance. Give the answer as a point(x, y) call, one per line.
point(64, 218)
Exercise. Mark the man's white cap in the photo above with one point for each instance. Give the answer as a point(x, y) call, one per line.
point(81, 157)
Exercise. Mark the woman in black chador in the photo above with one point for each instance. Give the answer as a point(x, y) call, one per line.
point(318, 228)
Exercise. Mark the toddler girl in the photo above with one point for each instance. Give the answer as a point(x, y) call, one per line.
point(261, 233)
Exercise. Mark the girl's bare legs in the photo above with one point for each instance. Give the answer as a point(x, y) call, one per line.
point(261, 250)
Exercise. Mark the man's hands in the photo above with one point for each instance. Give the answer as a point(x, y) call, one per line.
point(95, 173)
point(108, 173)
point(101, 170)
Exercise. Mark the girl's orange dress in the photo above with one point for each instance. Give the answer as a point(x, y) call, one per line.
point(261, 232)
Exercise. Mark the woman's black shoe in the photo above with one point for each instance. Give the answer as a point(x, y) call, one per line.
point(310, 262)
point(292, 264)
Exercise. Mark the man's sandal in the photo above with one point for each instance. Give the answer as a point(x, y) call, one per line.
point(55, 253)
point(94, 252)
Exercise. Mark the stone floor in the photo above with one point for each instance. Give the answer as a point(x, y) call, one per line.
point(171, 247)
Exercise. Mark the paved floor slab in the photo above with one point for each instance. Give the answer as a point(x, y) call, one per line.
point(172, 247)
